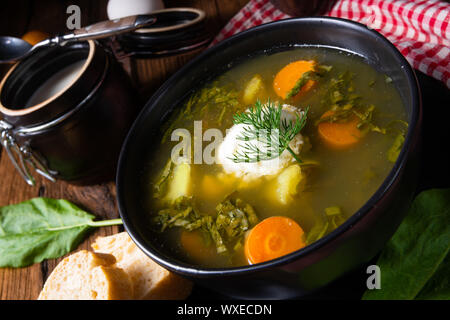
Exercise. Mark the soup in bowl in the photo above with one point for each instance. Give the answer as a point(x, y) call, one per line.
point(271, 164)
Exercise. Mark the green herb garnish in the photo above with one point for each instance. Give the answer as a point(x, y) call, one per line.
point(265, 124)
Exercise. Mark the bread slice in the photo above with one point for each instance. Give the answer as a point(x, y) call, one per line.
point(150, 280)
point(86, 275)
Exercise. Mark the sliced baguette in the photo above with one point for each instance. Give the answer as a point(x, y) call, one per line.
point(150, 280)
point(86, 275)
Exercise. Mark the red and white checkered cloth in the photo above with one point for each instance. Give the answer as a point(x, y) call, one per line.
point(419, 29)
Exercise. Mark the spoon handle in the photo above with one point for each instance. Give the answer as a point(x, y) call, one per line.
point(108, 28)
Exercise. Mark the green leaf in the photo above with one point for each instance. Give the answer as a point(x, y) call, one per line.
point(42, 228)
point(414, 263)
point(396, 147)
point(438, 287)
point(300, 84)
point(161, 184)
point(319, 71)
point(334, 217)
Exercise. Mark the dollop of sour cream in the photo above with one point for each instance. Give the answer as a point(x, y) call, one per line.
point(253, 170)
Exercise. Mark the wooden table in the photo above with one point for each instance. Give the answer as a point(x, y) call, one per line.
point(50, 16)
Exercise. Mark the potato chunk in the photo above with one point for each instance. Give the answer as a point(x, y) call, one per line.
point(179, 182)
point(287, 183)
point(252, 89)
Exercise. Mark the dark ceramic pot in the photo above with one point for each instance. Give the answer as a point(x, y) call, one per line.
point(353, 243)
point(76, 133)
point(176, 31)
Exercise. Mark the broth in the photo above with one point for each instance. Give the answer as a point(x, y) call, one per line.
point(328, 193)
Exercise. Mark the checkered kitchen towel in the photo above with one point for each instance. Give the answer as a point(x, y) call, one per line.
point(419, 29)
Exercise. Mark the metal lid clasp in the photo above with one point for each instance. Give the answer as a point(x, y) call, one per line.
point(22, 157)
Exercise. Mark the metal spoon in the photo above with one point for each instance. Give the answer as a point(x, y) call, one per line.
point(13, 49)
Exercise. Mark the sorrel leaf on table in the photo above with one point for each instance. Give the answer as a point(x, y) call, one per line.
point(42, 228)
point(438, 287)
point(415, 264)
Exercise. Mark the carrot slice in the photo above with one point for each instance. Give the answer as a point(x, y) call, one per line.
point(272, 238)
point(340, 135)
point(196, 247)
point(286, 78)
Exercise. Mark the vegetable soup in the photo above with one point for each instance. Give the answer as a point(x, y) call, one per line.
point(272, 155)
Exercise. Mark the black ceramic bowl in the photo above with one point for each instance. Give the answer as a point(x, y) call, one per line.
point(356, 241)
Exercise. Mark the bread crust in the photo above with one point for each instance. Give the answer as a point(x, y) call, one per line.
point(150, 280)
point(85, 275)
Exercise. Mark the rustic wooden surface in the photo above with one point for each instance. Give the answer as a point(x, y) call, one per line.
point(18, 16)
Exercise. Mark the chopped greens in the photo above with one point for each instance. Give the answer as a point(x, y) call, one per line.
point(180, 214)
point(334, 217)
point(394, 151)
point(317, 73)
point(346, 104)
point(235, 218)
point(366, 120)
point(218, 98)
point(160, 186)
point(318, 231)
point(335, 220)
point(399, 127)
point(332, 211)
point(310, 75)
point(209, 98)
point(226, 228)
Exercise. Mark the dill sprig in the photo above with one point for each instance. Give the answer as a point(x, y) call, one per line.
point(264, 124)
